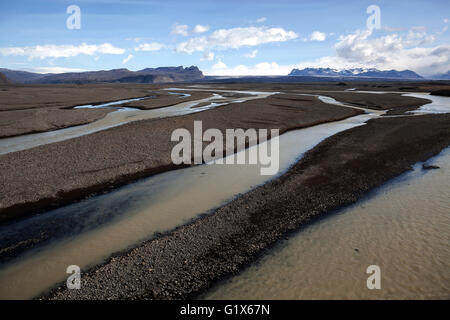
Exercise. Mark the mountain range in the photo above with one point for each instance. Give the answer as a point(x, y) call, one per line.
point(148, 75)
point(190, 74)
point(355, 73)
point(3, 79)
point(442, 76)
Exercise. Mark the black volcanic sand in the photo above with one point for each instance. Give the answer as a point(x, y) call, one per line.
point(443, 93)
point(20, 97)
point(26, 109)
point(20, 122)
point(396, 86)
point(47, 107)
point(55, 174)
point(393, 102)
point(163, 99)
point(186, 261)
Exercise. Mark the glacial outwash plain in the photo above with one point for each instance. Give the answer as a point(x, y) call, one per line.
point(87, 179)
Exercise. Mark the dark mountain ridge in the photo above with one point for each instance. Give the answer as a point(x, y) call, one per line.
point(442, 76)
point(148, 75)
point(4, 79)
point(356, 73)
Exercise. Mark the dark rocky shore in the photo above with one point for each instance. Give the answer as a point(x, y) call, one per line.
point(185, 262)
point(443, 93)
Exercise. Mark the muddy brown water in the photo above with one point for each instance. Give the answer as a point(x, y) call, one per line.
point(403, 227)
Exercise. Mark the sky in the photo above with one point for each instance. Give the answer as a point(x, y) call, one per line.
point(230, 37)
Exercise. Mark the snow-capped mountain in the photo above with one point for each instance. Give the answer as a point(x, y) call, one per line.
point(356, 72)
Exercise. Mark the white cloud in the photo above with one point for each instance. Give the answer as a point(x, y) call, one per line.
point(445, 20)
point(260, 69)
point(208, 55)
point(180, 29)
point(200, 29)
point(219, 66)
point(61, 51)
point(318, 36)
point(154, 46)
point(252, 54)
point(130, 56)
point(418, 36)
point(358, 49)
point(261, 20)
point(388, 52)
point(56, 70)
point(416, 33)
point(236, 38)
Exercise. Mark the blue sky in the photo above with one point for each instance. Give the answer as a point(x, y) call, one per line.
point(224, 37)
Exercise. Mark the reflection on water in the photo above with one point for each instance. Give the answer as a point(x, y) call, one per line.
point(112, 104)
point(403, 227)
point(331, 100)
point(438, 104)
point(182, 95)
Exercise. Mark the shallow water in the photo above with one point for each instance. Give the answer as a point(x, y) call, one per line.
point(136, 211)
point(117, 118)
point(403, 227)
point(125, 115)
point(182, 95)
point(331, 100)
point(112, 104)
point(438, 104)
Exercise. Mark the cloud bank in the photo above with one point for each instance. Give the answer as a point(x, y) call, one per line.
point(235, 38)
point(154, 46)
point(61, 51)
point(361, 49)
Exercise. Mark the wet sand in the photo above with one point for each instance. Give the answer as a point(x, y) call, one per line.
point(187, 261)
